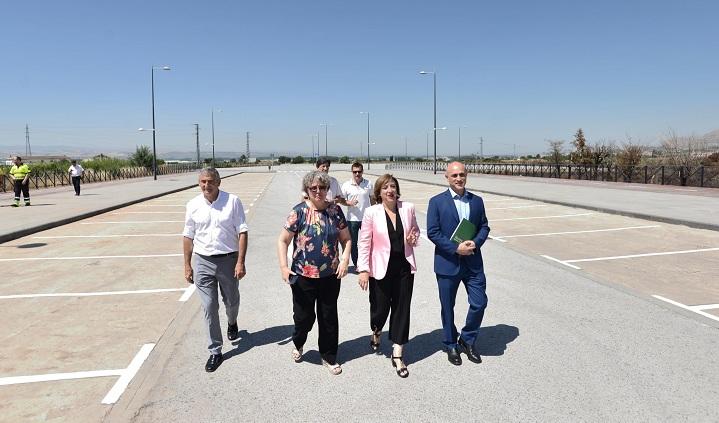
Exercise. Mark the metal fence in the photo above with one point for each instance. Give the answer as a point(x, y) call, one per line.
point(46, 179)
point(697, 176)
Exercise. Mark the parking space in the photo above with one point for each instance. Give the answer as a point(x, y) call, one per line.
point(673, 263)
point(90, 300)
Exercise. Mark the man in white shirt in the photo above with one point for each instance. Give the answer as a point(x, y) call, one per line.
point(75, 171)
point(216, 231)
point(334, 193)
point(358, 194)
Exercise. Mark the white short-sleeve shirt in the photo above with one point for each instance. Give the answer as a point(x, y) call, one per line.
point(360, 192)
point(214, 227)
point(76, 170)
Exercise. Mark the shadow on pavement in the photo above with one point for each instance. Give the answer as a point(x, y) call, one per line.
point(266, 336)
point(492, 341)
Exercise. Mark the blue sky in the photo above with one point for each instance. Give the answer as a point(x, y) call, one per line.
point(513, 72)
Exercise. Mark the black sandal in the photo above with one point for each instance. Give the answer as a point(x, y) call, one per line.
point(375, 345)
point(401, 371)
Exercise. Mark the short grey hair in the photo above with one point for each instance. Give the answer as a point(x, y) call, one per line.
point(211, 171)
point(315, 175)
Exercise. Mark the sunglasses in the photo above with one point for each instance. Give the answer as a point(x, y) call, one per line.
point(318, 188)
point(356, 171)
point(458, 175)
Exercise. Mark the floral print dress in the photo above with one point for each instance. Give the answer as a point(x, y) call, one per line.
point(316, 240)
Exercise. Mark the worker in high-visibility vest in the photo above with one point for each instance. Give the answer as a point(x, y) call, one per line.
point(20, 175)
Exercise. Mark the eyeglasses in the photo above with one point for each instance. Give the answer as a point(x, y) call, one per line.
point(318, 188)
point(356, 171)
point(458, 175)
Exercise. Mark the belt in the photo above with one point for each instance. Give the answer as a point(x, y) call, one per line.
point(219, 255)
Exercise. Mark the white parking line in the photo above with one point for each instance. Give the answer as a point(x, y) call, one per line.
point(188, 293)
point(89, 257)
point(500, 237)
point(696, 309)
point(561, 262)
point(666, 253)
point(128, 374)
point(17, 380)
point(559, 216)
point(112, 396)
point(102, 236)
point(149, 212)
point(90, 294)
point(524, 206)
point(132, 222)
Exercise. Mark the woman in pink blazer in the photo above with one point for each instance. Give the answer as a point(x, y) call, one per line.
point(386, 264)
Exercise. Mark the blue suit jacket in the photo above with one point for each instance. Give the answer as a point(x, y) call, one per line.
point(442, 219)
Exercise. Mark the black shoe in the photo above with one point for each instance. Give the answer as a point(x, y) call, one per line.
point(453, 356)
point(472, 354)
point(232, 332)
point(213, 362)
point(401, 369)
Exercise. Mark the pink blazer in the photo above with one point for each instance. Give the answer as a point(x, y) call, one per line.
point(374, 246)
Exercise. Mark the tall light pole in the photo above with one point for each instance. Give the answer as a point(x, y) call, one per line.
point(368, 156)
point(197, 143)
point(213, 135)
point(434, 126)
point(154, 149)
point(459, 142)
point(318, 141)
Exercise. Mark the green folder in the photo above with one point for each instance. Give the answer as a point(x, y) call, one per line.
point(464, 231)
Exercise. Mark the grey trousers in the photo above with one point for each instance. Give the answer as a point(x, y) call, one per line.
point(209, 274)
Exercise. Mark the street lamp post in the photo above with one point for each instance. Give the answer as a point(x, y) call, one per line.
point(368, 156)
point(154, 149)
point(213, 135)
point(318, 141)
point(434, 83)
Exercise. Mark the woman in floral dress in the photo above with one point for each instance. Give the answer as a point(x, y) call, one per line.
point(316, 227)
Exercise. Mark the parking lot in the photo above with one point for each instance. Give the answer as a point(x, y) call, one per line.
point(99, 296)
point(675, 264)
point(88, 301)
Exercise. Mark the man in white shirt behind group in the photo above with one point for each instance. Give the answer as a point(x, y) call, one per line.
point(75, 171)
point(216, 232)
point(358, 193)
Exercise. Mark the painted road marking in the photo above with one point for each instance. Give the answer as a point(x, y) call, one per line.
point(667, 253)
point(561, 262)
point(128, 374)
point(188, 293)
point(89, 257)
point(698, 309)
point(102, 236)
point(523, 206)
point(499, 237)
point(132, 222)
point(90, 294)
point(115, 392)
point(559, 216)
point(149, 212)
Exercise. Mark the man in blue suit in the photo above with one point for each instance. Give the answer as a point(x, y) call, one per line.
point(455, 263)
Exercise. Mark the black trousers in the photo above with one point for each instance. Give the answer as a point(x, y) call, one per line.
point(76, 184)
point(24, 188)
point(392, 294)
point(322, 292)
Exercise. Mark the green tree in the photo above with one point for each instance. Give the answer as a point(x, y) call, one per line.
point(581, 153)
point(284, 159)
point(142, 157)
point(298, 160)
point(344, 159)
